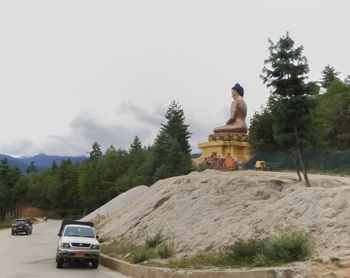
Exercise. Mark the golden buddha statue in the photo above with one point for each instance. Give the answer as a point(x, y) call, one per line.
point(238, 112)
point(230, 140)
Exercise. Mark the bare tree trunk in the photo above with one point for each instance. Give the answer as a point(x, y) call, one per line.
point(297, 168)
point(307, 182)
point(301, 163)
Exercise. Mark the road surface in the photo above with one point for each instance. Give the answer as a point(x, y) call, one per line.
point(32, 256)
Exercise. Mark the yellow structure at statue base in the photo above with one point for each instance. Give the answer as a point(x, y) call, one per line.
point(239, 151)
point(231, 138)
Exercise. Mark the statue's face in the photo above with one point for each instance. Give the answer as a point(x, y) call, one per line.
point(234, 94)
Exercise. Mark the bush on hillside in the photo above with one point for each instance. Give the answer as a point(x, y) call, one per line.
point(285, 248)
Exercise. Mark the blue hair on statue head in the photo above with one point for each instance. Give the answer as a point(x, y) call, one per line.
point(238, 89)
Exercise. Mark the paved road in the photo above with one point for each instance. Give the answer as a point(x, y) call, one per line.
point(33, 256)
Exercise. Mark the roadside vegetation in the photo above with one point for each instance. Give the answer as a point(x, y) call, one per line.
point(4, 224)
point(252, 252)
point(154, 247)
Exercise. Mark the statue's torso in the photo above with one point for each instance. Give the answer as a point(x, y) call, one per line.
point(238, 114)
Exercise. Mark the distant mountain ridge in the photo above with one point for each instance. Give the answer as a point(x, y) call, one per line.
point(41, 161)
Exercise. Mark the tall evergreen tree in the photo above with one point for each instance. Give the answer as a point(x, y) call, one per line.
point(96, 153)
point(9, 177)
point(54, 166)
point(172, 143)
point(176, 127)
point(329, 74)
point(31, 168)
point(285, 72)
point(136, 152)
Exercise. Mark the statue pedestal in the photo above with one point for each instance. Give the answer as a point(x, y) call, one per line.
point(240, 151)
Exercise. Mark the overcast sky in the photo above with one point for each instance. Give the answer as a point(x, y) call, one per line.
point(75, 72)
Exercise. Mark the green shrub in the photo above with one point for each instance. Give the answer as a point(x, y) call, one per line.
point(244, 251)
point(152, 242)
point(165, 250)
point(285, 248)
point(288, 247)
point(140, 255)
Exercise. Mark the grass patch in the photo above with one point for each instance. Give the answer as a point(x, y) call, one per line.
point(165, 250)
point(102, 239)
point(117, 249)
point(335, 260)
point(154, 247)
point(201, 261)
point(287, 247)
point(252, 252)
point(141, 255)
point(152, 242)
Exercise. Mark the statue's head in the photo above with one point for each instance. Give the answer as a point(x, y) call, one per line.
point(238, 89)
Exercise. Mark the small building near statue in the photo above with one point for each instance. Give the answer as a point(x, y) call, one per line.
point(231, 138)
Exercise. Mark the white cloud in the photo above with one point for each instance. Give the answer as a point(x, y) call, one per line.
point(124, 64)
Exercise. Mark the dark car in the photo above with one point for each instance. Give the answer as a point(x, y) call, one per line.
point(23, 225)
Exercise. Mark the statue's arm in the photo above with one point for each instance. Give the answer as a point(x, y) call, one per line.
point(233, 113)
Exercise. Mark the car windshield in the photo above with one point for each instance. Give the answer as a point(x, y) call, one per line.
point(79, 231)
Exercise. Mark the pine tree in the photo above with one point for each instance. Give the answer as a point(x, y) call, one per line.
point(171, 151)
point(176, 127)
point(96, 153)
point(54, 166)
point(285, 73)
point(9, 176)
point(136, 152)
point(31, 168)
point(329, 74)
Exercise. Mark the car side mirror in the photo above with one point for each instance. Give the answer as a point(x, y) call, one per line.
point(97, 237)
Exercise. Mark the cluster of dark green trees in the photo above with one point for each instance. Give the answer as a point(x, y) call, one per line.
point(73, 189)
point(12, 187)
point(300, 114)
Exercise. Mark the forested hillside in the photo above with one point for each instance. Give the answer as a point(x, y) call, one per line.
point(76, 188)
point(41, 161)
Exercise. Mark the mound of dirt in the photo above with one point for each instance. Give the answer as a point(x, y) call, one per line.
point(204, 211)
point(118, 203)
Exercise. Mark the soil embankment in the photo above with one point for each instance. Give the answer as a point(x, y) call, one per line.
point(209, 210)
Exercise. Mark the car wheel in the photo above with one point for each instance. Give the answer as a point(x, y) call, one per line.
point(59, 263)
point(94, 264)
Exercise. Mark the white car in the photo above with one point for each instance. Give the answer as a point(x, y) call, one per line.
point(78, 242)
